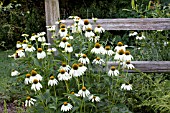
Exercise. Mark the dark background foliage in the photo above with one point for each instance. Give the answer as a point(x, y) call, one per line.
point(29, 16)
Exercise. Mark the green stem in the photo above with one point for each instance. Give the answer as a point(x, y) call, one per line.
point(67, 88)
point(77, 81)
point(54, 91)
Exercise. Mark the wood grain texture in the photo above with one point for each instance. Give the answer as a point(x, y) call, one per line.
point(131, 23)
point(52, 14)
point(146, 66)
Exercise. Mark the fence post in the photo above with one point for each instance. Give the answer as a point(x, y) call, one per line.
point(52, 14)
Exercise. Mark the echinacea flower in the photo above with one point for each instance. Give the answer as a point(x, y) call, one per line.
point(40, 54)
point(73, 93)
point(94, 98)
point(89, 33)
point(29, 101)
point(120, 55)
point(84, 59)
point(126, 87)
point(65, 67)
point(99, 29)
point(84, 92)
point(82, 68)
point(98, 60)
point(128, 56)
point(36, 86)
point(24, 44)
point(41, 39)
point(63, 75)
point(15, 73)
point(98, 49)
point(63, 32)
point(75, 71)
point(66, 107)
point(30, 48)
point(27, 79)
point(52, 81)
point(140, 36)
point(120, 46)
point(20, 52)
point(68, 48)
point(50, 51)
point(68, 37)
point(63, 42)
point(19, 44)
point(86, 25)
point(113, 71)
point(51, 28)
point(35, 75)
point(128, 65)
point(108, 51)
point(25, 35)
point(132, 33)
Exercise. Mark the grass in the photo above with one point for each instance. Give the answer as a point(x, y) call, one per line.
point(6, 67)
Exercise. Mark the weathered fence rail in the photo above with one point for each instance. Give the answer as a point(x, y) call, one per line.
point(52, 15)
point(131, 23)
point(147, 66)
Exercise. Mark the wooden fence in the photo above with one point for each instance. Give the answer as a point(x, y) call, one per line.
point(52, 15)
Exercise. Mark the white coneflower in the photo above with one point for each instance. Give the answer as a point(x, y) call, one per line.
point(68, 37)
point(94, 98)
point(63, 32)
point(41, 39)
point(128, 56)
point(51, 28)
point(15, 73)
point(98, 60)
point(25, 35)
point(128, 65)
point(113, 71)
point(120, 46)
point(132, 33)
point(29, 101)
point(78, 21)
point(82, 68)
point(66, 107)
point(50, 51)
point(84, 92)
point(126, 86)
point(108, 51)
point(41, 34)
point(84, 59)
point(65, 67)
point(140, 36)
point(63, 75)
point(30, 48)
point(86, 25)
point(99, 29)
point(59, 21)
point(34, 37)
point(52, 81)
point(35, 75)
point(63, 42)
point(19, 44)
point(98, 49)
point(89, 33)
point(68, 48)
point(20, 53)
point(24, 44)
point(41, 54)
point(27, 79)
point(96, 39)
point(120, 55)
point(76, 94)
point(36, 86)
point(94, 19)
point(75, 71)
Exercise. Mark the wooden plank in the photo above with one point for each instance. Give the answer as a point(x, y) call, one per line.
point(52, 14)
point(131, 23)
point(146, 66)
